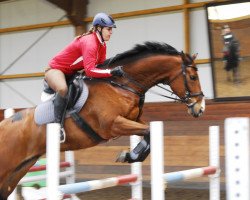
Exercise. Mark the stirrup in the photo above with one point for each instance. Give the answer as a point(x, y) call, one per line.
point(62, 135)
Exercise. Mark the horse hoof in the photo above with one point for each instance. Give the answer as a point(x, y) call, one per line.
point(121, 157)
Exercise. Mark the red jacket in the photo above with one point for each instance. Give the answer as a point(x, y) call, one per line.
point(93, 52)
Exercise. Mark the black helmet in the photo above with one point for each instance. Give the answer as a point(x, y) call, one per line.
point(104, 20)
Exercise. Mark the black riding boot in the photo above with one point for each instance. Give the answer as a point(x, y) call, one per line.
point(60, 106)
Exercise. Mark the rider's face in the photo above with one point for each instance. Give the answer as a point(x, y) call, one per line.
point(106, 33)
point(226, 31)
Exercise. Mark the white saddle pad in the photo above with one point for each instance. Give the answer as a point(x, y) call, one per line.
point(44, 113)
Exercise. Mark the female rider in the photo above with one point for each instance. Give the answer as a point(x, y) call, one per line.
point(84, 52)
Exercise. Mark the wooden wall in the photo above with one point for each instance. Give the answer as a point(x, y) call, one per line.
point(186, 142)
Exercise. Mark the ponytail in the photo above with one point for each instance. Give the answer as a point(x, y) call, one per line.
point(90, 31)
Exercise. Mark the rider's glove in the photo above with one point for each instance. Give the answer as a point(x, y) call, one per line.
point(117, 71)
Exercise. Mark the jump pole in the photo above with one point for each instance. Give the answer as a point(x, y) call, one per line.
point(8, 112)
point(214, 160)
point(157, 160)
point(157, 165)
point(70, 158)
point(136, 168)
point(173, 177)
point(52, 164)
point(97, 184)
point(237, 159)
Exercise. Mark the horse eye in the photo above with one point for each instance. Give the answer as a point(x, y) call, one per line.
point(193, 78)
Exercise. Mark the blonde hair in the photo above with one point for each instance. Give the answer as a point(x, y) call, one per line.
point(90, 31)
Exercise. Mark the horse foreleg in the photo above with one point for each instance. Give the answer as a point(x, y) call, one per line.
point(123, 126)
point(142, 150)
point(138, 154)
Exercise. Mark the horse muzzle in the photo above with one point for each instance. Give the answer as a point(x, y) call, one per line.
point(197, 108)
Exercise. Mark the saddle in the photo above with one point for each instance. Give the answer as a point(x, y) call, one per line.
point(77, 96)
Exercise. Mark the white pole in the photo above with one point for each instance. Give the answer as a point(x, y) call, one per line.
point(214, 160)
point(69, 157)
point(136, 169)
point(52, 153)
point(157, 160)
point(237, 158)
point(8, 112)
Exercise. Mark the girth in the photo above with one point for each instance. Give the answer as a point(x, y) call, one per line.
point(82, 124)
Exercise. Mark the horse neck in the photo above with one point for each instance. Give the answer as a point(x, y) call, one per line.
point(150, 71)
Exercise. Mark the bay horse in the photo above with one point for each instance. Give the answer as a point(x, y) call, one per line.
point(113, 109)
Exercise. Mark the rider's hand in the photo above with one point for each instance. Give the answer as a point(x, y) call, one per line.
point(117, 71)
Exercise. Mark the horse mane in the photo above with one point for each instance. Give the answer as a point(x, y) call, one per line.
point(141, 51)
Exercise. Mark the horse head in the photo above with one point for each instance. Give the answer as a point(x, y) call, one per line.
point(152, 63)
point(186, 85)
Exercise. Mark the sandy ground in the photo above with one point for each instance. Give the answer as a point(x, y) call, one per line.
point(124, 193)
point(228, 88)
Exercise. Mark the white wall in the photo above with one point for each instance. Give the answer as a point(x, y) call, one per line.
point(21, 93)
point(119, 6)
point(200, 44)
point(164, 27)
point(26, 12)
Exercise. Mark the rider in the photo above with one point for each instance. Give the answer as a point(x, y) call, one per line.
point(84, 52)
point(230, 53)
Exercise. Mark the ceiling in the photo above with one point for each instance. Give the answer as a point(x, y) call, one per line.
point(76, 9)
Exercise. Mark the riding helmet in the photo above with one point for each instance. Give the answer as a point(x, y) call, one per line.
point(104, 20)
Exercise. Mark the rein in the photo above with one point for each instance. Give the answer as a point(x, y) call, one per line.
point(159, 94)
point(188, 94)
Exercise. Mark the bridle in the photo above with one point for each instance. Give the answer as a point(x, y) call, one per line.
point(188, 93)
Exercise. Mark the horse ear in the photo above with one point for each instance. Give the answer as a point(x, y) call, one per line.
point(182, 55)
point(194, 56)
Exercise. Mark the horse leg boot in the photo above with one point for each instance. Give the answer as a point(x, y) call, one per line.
point(60, 106)
point(139, 153)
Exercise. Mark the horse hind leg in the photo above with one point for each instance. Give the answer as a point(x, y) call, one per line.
point(9, 183)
